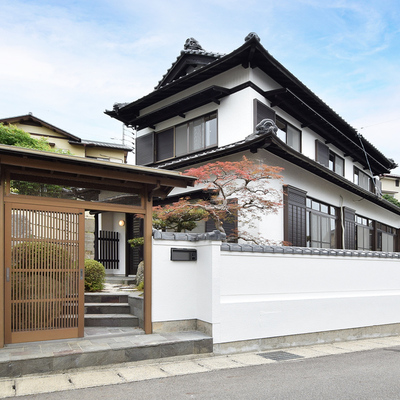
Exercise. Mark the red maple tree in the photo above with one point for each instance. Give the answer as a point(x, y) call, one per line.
point(239, 189)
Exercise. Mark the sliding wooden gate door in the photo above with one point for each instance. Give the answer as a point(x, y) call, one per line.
point(44, 260)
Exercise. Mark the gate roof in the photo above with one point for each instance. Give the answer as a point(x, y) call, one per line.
point(163, 181)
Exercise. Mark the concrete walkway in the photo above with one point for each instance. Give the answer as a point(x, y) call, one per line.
point(164, 368)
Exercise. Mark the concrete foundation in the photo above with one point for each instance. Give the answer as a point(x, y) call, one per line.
point(183, 326)
point(306, 339)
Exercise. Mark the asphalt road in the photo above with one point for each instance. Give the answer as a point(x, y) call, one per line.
point(364, 375)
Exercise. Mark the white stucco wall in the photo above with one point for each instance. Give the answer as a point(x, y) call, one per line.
point(283, 295)
point(248, 296)
point(184, 289)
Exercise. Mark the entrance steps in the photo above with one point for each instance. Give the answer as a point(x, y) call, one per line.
point(121, 280)
point(108, 310)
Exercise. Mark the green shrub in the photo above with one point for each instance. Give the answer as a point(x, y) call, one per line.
point(136, 242)
point(95, 276)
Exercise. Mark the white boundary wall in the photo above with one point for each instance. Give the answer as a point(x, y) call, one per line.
point(248, 295)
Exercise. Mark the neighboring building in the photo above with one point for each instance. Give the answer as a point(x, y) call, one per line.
point(60, 139)
point(391, 185)
point(207, 107)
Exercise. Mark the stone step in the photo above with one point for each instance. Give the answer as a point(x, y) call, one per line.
point(121, 280)
point(111, 320)
point(106, 298)
point(107, 308)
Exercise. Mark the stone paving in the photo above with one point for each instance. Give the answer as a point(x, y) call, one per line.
point(164, 368)
point(100, 346)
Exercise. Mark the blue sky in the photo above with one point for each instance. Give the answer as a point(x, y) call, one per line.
point(68, 61)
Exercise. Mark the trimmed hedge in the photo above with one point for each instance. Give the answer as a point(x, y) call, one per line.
point(95, 276)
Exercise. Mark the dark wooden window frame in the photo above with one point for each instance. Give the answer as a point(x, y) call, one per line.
point(154, 147)
point(370, 226)
point(348, 217)
point(333, 216)
point(380, 229)
point(262, 111)
point(358, 172)
point(323, 155)
point(294, 216)
point(281, 121)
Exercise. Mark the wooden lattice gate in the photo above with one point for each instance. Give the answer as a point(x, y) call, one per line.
point(44, 255)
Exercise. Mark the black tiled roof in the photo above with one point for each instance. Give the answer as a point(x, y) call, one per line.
point(252, 54)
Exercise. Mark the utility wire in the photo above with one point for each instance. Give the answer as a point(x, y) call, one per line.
point(369, 165)
point(380, 123)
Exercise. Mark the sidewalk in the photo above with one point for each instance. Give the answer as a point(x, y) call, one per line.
point(163, 368)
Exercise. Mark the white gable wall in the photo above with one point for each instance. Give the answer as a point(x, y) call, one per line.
point(262, 80)
point(235, 117)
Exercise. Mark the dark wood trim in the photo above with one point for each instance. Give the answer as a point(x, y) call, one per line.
point(147, 249)
point(349, 224)
point(294, 203)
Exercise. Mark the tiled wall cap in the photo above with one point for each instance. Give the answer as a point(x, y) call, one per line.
point(306, 251)
point(191, 237)
point(219, 236)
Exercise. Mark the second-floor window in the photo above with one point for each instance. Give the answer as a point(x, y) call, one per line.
point(363, 180)
point(289, 134)
point(190, 137)
point(286, 132)
point(196, 135)
point(326, 157)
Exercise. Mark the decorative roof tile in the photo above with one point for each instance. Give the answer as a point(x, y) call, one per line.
point(191, 47)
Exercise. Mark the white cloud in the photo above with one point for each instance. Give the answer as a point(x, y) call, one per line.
point(69, 61)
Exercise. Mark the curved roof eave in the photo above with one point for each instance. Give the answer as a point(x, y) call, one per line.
point(250, 54)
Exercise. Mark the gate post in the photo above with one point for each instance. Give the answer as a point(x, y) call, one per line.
point(147, 246)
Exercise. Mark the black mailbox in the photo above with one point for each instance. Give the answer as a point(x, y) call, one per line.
point(183, 254)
